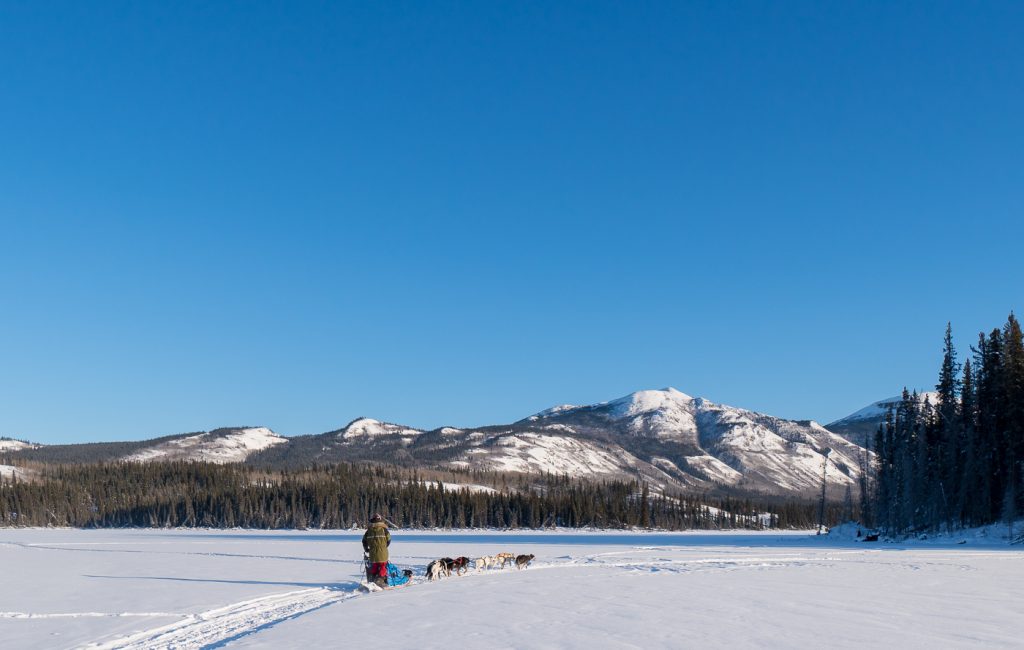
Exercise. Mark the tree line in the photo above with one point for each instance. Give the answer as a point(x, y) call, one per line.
point(956, 460)
point(197, 494)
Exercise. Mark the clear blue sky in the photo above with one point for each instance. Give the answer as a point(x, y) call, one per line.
point(293, 214)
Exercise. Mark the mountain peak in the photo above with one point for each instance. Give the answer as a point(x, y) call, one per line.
point(368, 427)
point(647, 401)
point(636, 403)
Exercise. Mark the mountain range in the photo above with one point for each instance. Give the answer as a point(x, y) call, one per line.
point(665, 437)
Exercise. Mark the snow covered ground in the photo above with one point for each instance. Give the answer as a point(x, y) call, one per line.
point(255, 589)
point(10, 471)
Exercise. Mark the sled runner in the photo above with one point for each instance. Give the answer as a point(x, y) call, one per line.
point(370, 587)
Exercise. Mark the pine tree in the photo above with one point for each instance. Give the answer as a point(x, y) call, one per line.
point(946, 441)
point(867, 511)
point(1013, 387)
point(991, 423)
point(848, 504)
point(885, 481)
point(645, 518)
point(969, 484)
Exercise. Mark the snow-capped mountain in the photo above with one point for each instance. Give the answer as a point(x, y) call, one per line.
point(663, 436)
point(696, 442)
point(862, 424)
point(218, 446)
point(668, 438)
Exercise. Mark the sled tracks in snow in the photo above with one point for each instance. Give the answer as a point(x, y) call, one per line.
point(216, 627)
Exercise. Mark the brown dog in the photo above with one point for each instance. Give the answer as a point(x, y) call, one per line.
point(523, 561)
point(460, 565)
point(505, 558)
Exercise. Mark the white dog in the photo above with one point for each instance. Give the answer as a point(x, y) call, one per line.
point(435, 570)
point(486, 562)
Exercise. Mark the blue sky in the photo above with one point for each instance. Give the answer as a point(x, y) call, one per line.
point(294, 214)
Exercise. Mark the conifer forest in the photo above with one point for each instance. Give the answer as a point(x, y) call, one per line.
point(958, 461)
point(191, 494)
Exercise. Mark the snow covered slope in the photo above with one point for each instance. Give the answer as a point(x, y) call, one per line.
point(9, 444)
point(698, 442)
point(862, 424)
point(538, 453)
point(9, 472)
point(218, 446)
point(369, 428)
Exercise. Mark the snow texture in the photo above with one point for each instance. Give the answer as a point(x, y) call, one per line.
point(231, 447)
point(739, 446)
point(148, 589)
point(552, 411)
point(651, 401)
point(369, 428)
point(538, 453)
point(7, 472)
point(6, 444)
point(456, 487)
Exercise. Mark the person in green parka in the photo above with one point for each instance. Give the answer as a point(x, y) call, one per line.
point(376, 540)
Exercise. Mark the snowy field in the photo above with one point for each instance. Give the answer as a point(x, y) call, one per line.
point(237, 589)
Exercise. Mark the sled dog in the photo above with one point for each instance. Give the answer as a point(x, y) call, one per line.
point(438, 568)
point(484, 562)
point(460, 565)
point(504, 558)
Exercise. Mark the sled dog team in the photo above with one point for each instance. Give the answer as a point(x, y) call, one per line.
point(446, 565)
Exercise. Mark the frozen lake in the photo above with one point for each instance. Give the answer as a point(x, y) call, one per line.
point(260, 589)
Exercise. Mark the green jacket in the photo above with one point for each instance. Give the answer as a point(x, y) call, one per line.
point(376, 540)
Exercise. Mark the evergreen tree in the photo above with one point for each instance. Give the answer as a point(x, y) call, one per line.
point(991, 423)
point(946, 440)
point(969, 484)
point(1013, 399)
point(645, 518)
point(960, 460)
point(867, 511)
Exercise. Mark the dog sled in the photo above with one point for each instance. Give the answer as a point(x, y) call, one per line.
point(396, 578)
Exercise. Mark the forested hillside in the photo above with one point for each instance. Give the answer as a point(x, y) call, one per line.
point(341, 496)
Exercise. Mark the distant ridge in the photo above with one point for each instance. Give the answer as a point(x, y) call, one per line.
point(861, 425)
point(665, 437)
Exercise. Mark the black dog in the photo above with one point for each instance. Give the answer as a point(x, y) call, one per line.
point(438, 568)
point(523, 561)
point(446, 565)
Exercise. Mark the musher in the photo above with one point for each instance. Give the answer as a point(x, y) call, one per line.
point(376, 541)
